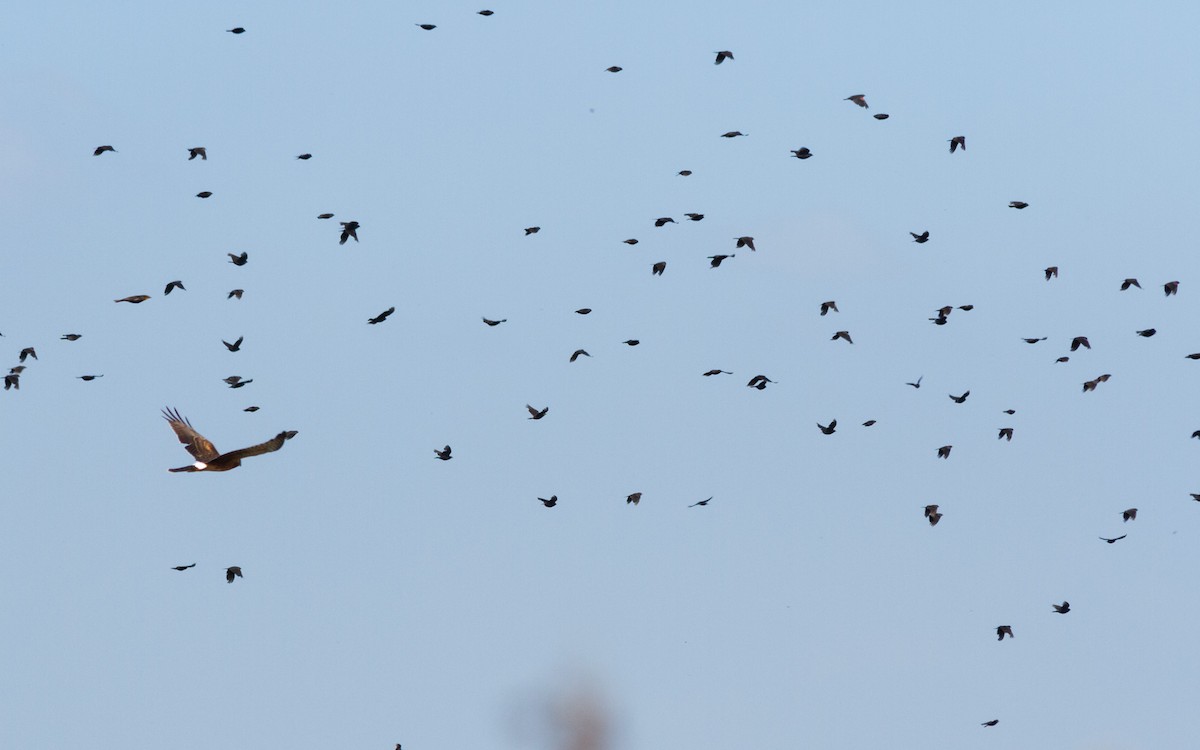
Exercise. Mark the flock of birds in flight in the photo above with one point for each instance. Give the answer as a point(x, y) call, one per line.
point(208, 458)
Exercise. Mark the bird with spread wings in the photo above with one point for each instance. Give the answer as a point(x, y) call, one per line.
point(208, 458)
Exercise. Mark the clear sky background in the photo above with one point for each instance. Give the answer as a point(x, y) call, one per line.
point(390, 597)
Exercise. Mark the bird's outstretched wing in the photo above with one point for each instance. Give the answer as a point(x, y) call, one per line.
point(199, 446)
point(269, 446)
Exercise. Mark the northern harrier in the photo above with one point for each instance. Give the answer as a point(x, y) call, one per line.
point(206, 455)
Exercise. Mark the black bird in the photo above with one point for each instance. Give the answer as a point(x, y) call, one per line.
point(869, 423)
point(232, 572)
point(684, 173)
point(427, 26)
point(532, 230)
point(88, 378)
point(745, 242)
point(631, 342)
point(381, 316)
point(700, 503)
point(71, 337)
point(536, 414)
point(579, 353)
point(663, 221)
point(204, 194)
point(710, 373)
point(716, 260)
point(304, 157)
point(1129, 515)
point(944, 451)
point(235, 293)
point(208, 458)
point(635, 498)
point(101, 149)
point(630, 241)
point(733, 134)
point(859, 99)
point(174, 285)
point(1114, 540)
point(1051, 272)
point(236, 30)
point(241, 383)
point(918, 385)
point(198, 151)
point(443, 454)
point(1034, 341)
point(880, 116)
point(842, 335)
point(183, 567)
point(12, 380)
point(551, 502)
point(695, 217)
point(136, 299)
point(251, 409)
point(921, 238)
point(722, 56)
point(583, 311)
point(482, 13)
point(614, 69)
point(1171, 287)
point(802, 153)
point(1004, 630)
point(758, 381)
point(28, 352)
point(991, 723)
point(1018, 204)
point(1079, 341)
point(828, 429)
point(349, 229)
point(1128, 283)
point(827, 306)
point(232, 379)
point(1006, 433)
point(235, 346)
point(1063, 608)
point(658, 268)
point(1147, 333)
point(324, 216)
point(238, 260)
point(957, 142)
point(960, 399)
point(494, 323)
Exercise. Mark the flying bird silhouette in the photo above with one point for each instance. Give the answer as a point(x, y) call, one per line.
point(381, 316)
point(71, 337)
point(494, 323)
point(991, 723)
point(614, 69)
point(88, 378)
point(918, 385)
point(1129, 515)
point(635, 498)
point(583, 311)
point(957, 142)
point(304, 157)
point(136, 299)
point(658, 268)
point(859, 99)
point(235, 293)
point(722, 56)
point(733, 134)
point(921, 238)
point(694, 216)
point(827, 306)
point(828, 429)
point(532, 230)
point(443, 454)
point(27, 352)
point(235, 346)
point(701, 503)
point(101, 149)
point(232, 572)
point(944, 451)
point(663, 221)
point(239, 260)
point(349, 230)
point(1147, 333)
point(1079, 341)
point(1006, 433)
point(631, 342)
point(745, 242)
point(204, 194)
point(845, 335)
point(208, 458)
point(1171, 287)
point(534, 413)
point(198, 151)
point(1113, 540)
point(1128, 283)
point(551, 502)
point(710, 373)
point(802, 153)
point(960, 399)
point(183, 567)
point(579, 353)
point(1051, 272)
point(1018, 204)
point(1004, 630)
point(716, 260)
point(174, 285)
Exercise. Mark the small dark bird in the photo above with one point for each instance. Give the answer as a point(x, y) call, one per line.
point(349, 230)
point(71, 337)
point(716, 260)
point(174, 285)
point(1089, 385)
point(17, 370)
point(710, 373)
point(241, 383)
point(695, 217)
point(918, 384)
point(1147, 333)
point(534, 413)
point(579, 353)
point(183, 567)
point(842, 335)
point(101, 149)
point(758, 381)
point(859, 99)
point(251, 409)
point(991, 723)
point(1171, 287)
point(235, 293)
point(802, 153)
point(1128, 283)
point(957, 142)
point(443, 454)
point(745, 242)
point(1196, 355)
point(1129, 515)
point(630, 241)
point(236, 30)
point(427, 26)
point(88, 378)
point(1063, 608)
point(635, 498)
point(136, 299)
point(828, 429)
point(631, 342)
point(28, 352)
point(1063, 359)
point(701, 503)
point(960, 399)
point(550, 503)
point(869, 423)
point(658, 268)
point(324, 216)
point(239, 260)
point(583, 311)
point(1009, 412)
point(827, 306)
point(304, 157)
point(204, 194)
point(614, 69)
point(880, 116)
point(12, 380)
point(198, 151)
point(684, 173)
point(494, 323)
point(1051, 272)
point(722, 56)
point(1018, 204)
point(235, 346)
point(1034, 341)
point(944, 451)
point(1114, 540)
point(1006, 433)
point(930, 510)
point(532, 230)
point(1004, 630)
point(921, 238)
point(733, 134)
point(1079, 341)
point(231, 573)
point(1195, 496)
point(381, 316)
point(482, 13)
point(934, 517)
point(663, 221)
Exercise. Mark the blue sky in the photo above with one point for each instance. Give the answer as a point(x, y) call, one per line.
point(390, 597)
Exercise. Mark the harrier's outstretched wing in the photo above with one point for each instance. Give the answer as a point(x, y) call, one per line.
point(270, 446)
point(199, 446)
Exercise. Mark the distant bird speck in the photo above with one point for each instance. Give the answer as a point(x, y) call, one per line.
point(614, 69)
point(733, 134)
point(536, 413)
point(493, 323)
point(235, 293)
point(239, 260)
point(381, 316)
point(880, 116)
point(1018, 204)
point(1170, 288)
point(349, 230)
point(427, 26)
point(532, 230)
point(136, 299)
point(921, 238)
point(1051, 272)
point(745, 242)
point(551, 502)
point(859, 99)
point(957, 142)
point(89, 378)
point(232, 572)
point(304, 157)
point(845, 335)
point(235, 346)
point(722, 56)
point(1128, 283)
point(1063, 608)
point(198, 151)
point(236, 30)
point(174, 285)
point(658, 268)
point(801, 153)
point(204, 194)
point(101, 149)
point(631, 342)
point(443, 454)
point(71, 337)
